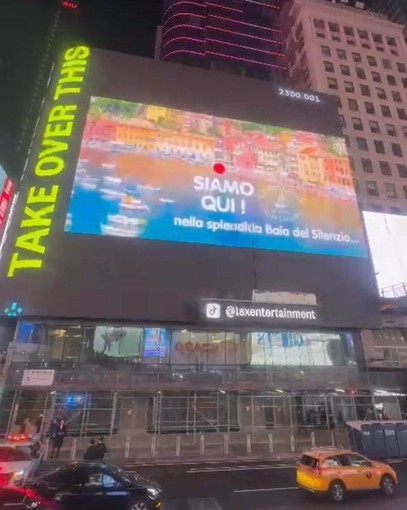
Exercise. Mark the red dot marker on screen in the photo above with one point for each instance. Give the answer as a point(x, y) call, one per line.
point(219, 168)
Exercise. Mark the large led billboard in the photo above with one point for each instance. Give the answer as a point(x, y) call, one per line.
point(152, 187)
point(6, 189)
point(152, 175)
point(387, 235)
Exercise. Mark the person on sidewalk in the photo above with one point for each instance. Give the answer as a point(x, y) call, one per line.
point(92, 453)
point(101, 448)
point(57, 434)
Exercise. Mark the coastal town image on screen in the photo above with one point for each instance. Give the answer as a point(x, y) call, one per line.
point(153, 172)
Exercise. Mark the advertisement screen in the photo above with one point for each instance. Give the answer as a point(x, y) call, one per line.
point(152, 188)
point(149, 172)
point(387, 236)
point(6, 189)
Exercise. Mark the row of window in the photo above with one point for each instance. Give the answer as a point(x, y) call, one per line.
point(366, 40)
point(372, 189)
point(374, 126)
point(376, 76)
point(349, 87)
point(357, 58)
point(379, 146)
point(370, 108)
point(385, 168)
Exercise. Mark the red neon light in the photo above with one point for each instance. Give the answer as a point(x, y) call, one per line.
point(182, 38)
point(243, 23)
point(245, 47)
point(183, 51)
point(184, 14)
point(180, 3)
point(69, 5)
point(219, 168)
point(224, 7)
point(181, 25)
point(243, 35)
point(245, 60)
point(263, 4)
point(5, 199)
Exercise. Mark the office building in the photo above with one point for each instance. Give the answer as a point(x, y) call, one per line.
point(360, 57)
point(395, 10)
point(238, 37)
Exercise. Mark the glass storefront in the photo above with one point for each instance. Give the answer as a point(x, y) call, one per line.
point(193, 349)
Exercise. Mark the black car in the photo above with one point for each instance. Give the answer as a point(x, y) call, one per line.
point(91, 486)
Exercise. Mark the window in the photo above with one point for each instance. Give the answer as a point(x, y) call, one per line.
point(404, 130)
point(386, 63)
point(363, 35)
point(332, 83)
point(353, 105)
point(379, 146)
point(365, 90)
point(372, 188)
point(335, 37)
point(385, 110)
point(331, 462)
point(326, 51)
point(401, 68)
point(357, 124)
point(402, 171)
point(342, 119)
point(372, 61)
point(354, 460)
point(360, 73)
point(396, 96)
point(381, 93)
point(362, 143)
point(349, 31)
point(307, 460)
point(385, 167)
point(366, 46)
point(369, 107)
point(391, 129)
point(321, 36)
point(376, 77)
point(367, 165)
point(349, 86)
point(390, 188)
point(391, 41)
point(391, 80)
point(404, 81)
point(329, 67)
point(338, 102)
point(401, 113)
point(345, 70)
point(394, 52)
point(374, 126)
point(319, 23)
point(333, 27)
point(396, 150)
point(357, 57)
point(377, 38)
point(341, 54)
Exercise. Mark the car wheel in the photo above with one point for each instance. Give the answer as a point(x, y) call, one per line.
point(139, 504)
point(387, 485)
point(337, 492)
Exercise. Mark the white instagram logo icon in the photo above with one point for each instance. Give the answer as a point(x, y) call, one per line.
point(213, 311)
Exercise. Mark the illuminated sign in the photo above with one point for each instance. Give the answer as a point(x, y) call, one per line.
point(153, 172)
point(40, 200)
point(69, 5)
point(5, 198)
point(387, 235)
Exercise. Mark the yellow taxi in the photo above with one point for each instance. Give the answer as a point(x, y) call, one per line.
point(336, 471)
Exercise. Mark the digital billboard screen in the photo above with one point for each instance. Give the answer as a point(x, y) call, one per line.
point(387, 236)
point(6, 190)
point(153, 176)
point(152, 187)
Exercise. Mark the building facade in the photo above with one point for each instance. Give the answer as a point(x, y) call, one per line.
point(361, 58)
point(395, 10)
point(238, 37)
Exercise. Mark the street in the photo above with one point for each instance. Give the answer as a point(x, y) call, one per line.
point(249, 485)
point(261, 485)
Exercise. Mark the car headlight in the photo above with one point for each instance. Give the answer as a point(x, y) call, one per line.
point(153, 492)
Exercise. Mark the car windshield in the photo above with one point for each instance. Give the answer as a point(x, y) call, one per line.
point(15, 454)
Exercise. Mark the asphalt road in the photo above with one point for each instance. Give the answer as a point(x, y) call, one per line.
point(243, 485)
point(254, 486)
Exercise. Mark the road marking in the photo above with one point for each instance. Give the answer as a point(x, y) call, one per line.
point(273, 489)
point(236, 468)
point(12, 504)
